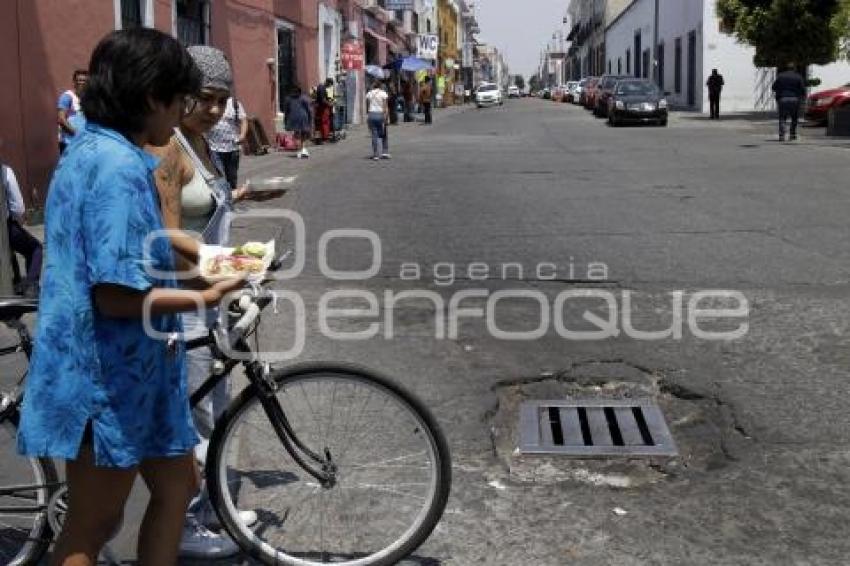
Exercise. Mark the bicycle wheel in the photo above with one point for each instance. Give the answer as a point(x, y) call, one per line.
point(393, 470)
point(26, 485)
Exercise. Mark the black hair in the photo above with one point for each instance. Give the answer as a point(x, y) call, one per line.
point(129, 66)
point(79, 72)
point(295, 90)
point(329, 82)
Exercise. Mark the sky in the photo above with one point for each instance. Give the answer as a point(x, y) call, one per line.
point(520, 29)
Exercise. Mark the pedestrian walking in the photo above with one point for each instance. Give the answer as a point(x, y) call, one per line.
point(378, 108)
point(324, 110)
point(197, 197)
point(68, 106)
point(789, 89)
point(102, 392)
point(407, 96)
point(20, 240)
point(715, 87)
point(392, 102)
point(426, 92)
point(298, 114)
point(227, 137)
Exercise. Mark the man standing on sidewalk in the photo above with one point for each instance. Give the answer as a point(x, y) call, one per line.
point(425, 94)
point(789, 89)
point(68, 106)
point(715, 87)
point(407, 95)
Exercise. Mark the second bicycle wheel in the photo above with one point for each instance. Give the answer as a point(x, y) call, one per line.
point(393, 471)
point(26, 485)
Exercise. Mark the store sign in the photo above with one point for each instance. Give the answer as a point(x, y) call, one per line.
point(427, 46)
point(399, 5)
point(352, 56)
point(468, 57)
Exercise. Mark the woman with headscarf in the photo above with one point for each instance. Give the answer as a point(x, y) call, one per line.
point(197, 199)
point(103, 392)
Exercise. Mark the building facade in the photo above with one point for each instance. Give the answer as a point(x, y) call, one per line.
point(272, 45)
point(589, 20)
point(448, 57)
point(691, 44)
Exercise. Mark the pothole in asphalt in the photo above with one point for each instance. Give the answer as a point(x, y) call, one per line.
point(705, 428)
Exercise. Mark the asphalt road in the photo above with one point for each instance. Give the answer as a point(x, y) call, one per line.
point(760, 421)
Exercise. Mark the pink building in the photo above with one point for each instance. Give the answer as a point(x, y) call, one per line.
point(272, 45)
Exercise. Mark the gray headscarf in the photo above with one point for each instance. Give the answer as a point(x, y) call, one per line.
point(213, 65)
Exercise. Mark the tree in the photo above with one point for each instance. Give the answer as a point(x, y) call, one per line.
point(534, 83)
point(802, 32)
point(519, 81)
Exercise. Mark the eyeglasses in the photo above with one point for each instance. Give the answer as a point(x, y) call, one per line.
point(190, 103)
point(206, 100)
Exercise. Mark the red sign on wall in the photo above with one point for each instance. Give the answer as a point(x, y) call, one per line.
point(352, 57)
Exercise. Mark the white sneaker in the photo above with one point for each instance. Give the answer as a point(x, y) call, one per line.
point(247, 518)
point(386, 156)
point(200, 542)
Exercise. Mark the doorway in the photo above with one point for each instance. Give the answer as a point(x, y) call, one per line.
point(286, 69)
point(692, 69)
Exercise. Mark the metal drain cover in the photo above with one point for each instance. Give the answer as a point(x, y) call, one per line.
point(596, 427)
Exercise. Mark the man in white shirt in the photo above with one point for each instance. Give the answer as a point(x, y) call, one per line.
point(20, 240)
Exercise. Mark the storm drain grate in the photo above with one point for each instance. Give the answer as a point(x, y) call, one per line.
point(594, 427)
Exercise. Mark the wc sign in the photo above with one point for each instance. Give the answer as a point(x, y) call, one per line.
point(427, 46)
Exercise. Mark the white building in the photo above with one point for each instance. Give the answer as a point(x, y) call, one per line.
point(690, 45)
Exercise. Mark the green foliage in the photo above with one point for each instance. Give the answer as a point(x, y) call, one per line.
point(519, 81)
point(802, 32)
point(534, 83)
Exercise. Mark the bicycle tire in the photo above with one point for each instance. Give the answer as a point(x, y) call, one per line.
point(256, 541)
point(21, 543)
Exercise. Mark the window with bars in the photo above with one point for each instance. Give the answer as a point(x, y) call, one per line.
point(192, 21)
point(677, 66)
point(131, 14)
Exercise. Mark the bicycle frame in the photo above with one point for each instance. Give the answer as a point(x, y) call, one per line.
point(321, 468)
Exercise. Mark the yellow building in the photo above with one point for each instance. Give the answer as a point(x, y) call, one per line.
point(448, 55)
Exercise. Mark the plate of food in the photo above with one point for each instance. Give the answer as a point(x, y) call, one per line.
point(251, 260)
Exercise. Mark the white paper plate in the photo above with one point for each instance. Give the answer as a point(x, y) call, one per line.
point(209, 252)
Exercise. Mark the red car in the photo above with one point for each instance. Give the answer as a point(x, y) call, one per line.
point(820, 103)
point(590, 92)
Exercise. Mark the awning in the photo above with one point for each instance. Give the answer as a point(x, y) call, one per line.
point(380, 37)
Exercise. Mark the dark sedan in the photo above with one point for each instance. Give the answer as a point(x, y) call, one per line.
point(637, 101)
point(603, 93)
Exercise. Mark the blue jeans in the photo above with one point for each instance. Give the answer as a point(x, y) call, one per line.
point(379, 132)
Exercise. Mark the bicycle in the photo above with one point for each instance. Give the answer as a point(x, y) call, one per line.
point(31, 509)
point(340, 464)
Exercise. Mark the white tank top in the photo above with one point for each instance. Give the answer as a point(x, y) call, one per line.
point(197, 203)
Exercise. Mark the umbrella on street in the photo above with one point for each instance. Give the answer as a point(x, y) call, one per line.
point(412, 64)
point(375, 71)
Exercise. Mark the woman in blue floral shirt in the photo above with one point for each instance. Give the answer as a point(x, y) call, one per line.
point(104, 391)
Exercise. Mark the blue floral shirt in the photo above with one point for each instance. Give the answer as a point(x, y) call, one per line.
point(87, 367)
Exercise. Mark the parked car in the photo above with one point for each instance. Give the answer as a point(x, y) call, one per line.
point(546, 94)
point(488, 95)
point(571, 91)
point(603, 93)
point(820, 103)
point(579, 99)
point(636, 100)
point(513, 91)
point(590, 92)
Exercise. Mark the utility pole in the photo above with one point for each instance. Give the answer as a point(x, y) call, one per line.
point(655, 47)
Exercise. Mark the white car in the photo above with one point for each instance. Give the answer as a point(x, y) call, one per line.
point(513, 91)
point(488, 95)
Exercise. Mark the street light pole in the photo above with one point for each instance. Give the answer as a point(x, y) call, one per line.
point(655, 46)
